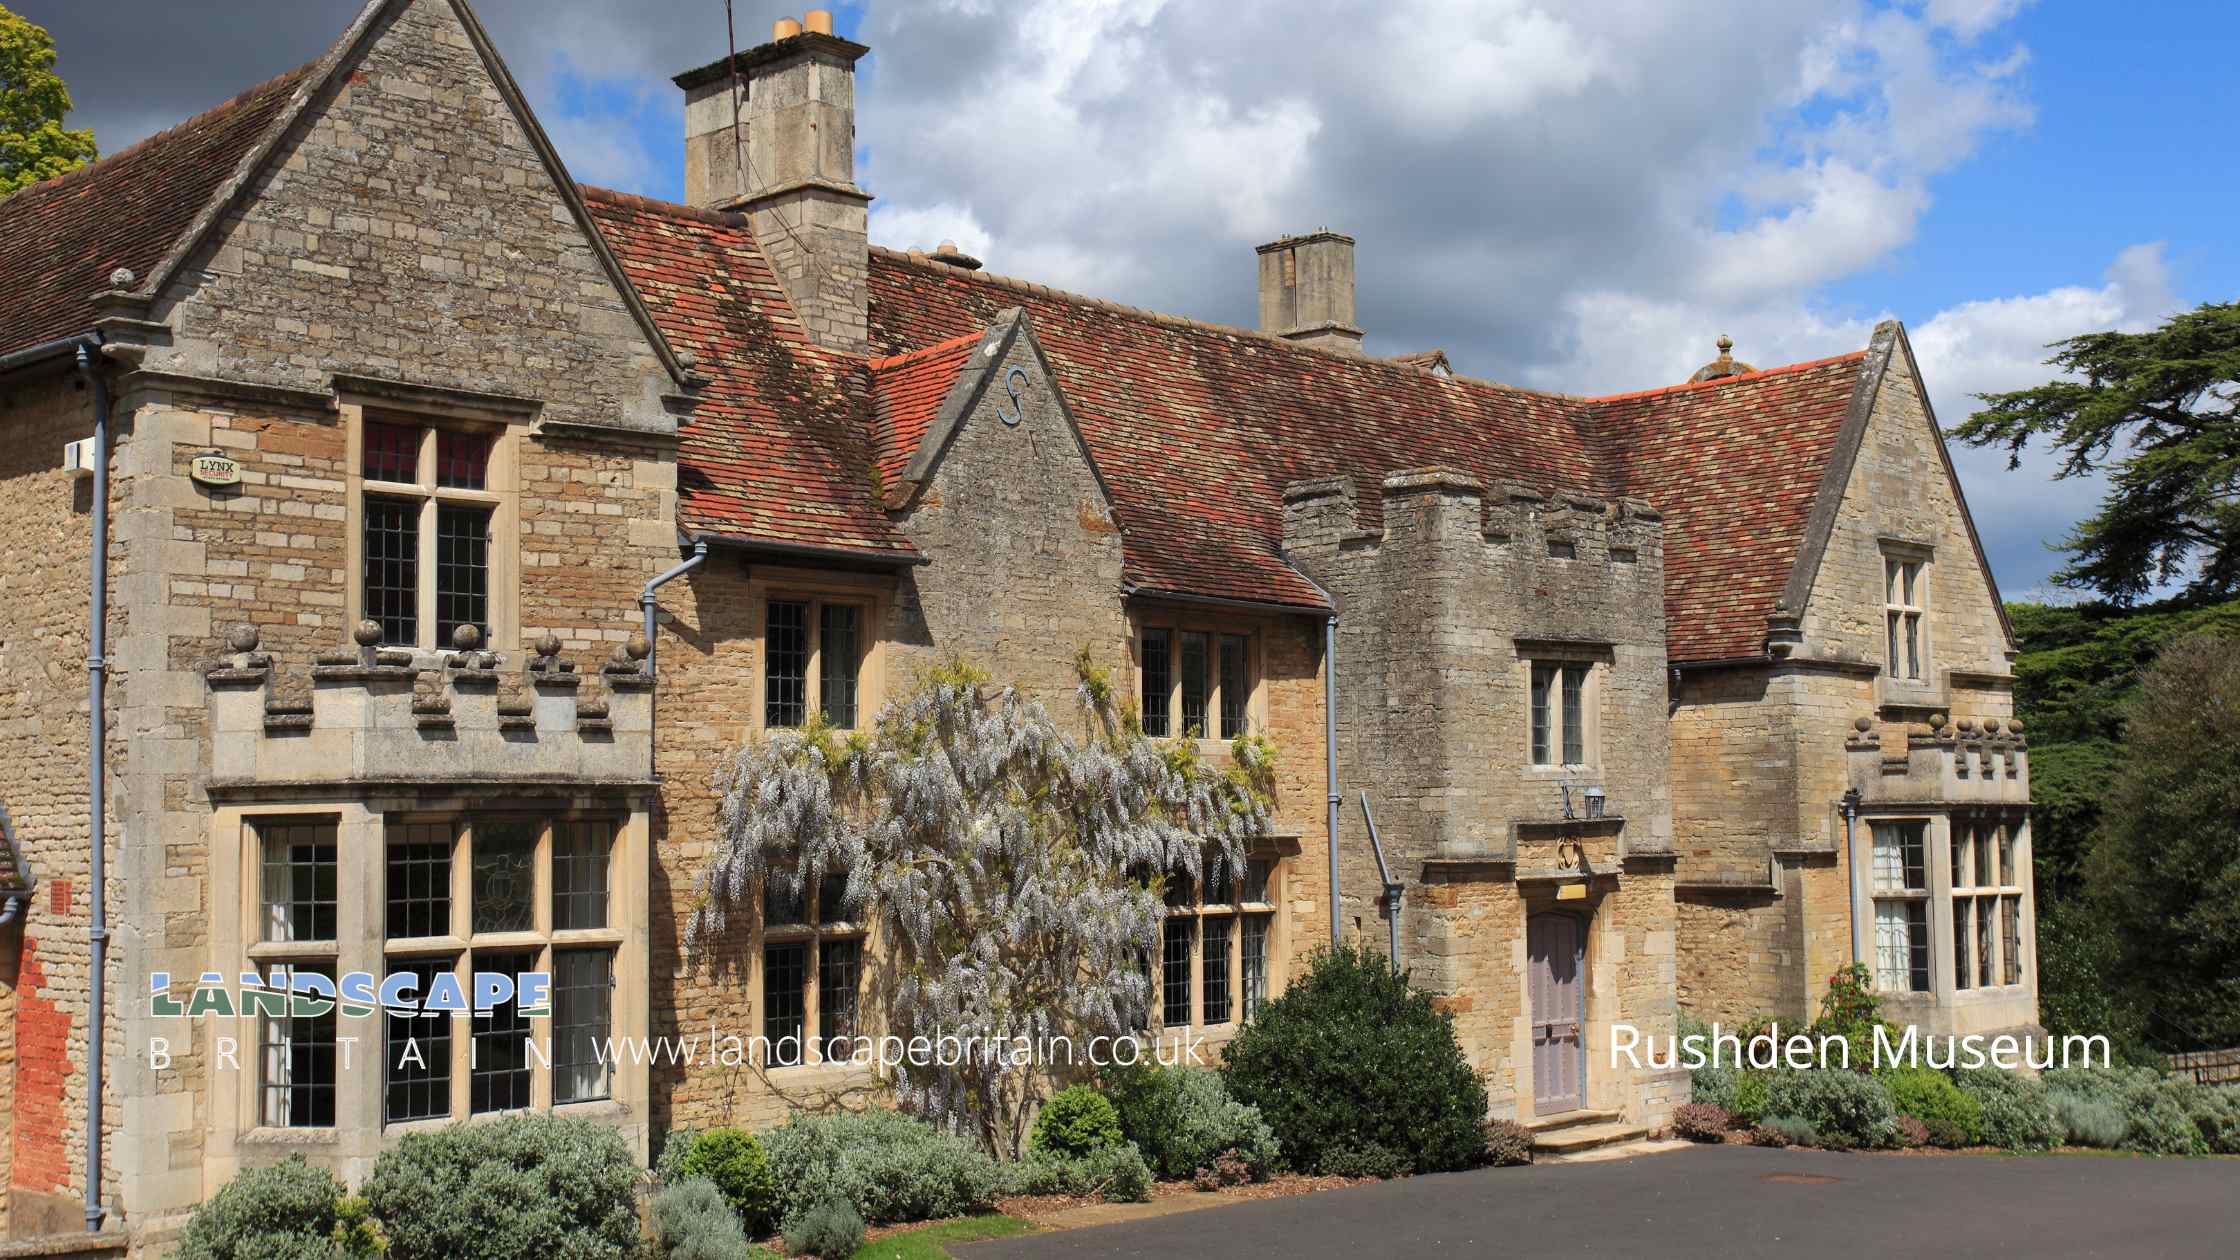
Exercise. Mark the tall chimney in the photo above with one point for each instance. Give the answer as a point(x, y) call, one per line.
point(1306, 290)
point(792, 126)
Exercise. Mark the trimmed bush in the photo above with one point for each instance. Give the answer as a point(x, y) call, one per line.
point(1701, 1122)
point(1750, 1088)
point(890, 1166)
point(1076, 1121)
point(1951, 1118)
point(532, 1187)
point(1507, 1143)
point(1370, 1160)
point(832, 1230)
point(2090, 1121)
point(1846, 1109)
point(1786, 1131)
point(1182, 1120)
point(733, 1161)
point(1116, 1174)
point(1354, 1057)
point(693, 1221)
point(285, 1210)
point(2016, 1112)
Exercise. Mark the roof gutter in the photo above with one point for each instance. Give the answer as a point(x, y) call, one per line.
point(59, 348)
point(1132, 591)
point(809, 551)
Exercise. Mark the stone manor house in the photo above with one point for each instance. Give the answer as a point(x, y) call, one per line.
point(345, 433)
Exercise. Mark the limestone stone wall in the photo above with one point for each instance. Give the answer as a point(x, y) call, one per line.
point(45, 514)
point(1443, 614)
point(407, 231)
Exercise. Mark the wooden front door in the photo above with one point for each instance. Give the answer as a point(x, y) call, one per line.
point(1556, 950)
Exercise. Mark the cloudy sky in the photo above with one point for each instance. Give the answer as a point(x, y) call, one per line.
point(1577, 195)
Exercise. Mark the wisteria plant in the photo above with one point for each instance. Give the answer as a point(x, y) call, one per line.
point(1013, 868)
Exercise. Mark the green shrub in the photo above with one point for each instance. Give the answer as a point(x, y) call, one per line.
point(1182, 1119)
point(734, 1162)
point(1701, 1122)
point(1076, 1121)
point(1353, 1056)
point(2087, 1120)
point(832, 1230)
point(2216, 1113)
point(1117, 1174)
point(1785, 1131)
point(1713, 1086)
point(1846, 1109)
point(890, 1166)
point(288, 1209)
point(1507, 1143)
point(1367, 1160)
point(532, 1187)
point(1750, 1088)
point(692, 1221)
point(2016, 1112)
point(1951, 1118)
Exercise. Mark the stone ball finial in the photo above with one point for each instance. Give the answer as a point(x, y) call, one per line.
point(2014, 726)
point(637, 647)
point(620, 655)
point(242, 638)
point(466, 637)
point(1863, 725)
point(1991, 726)
point(687, 360)
point(548, 645)
point(1937, 721)
point(123, 278)
point(1967, 726)
point(1725, 343)
point(366, 633)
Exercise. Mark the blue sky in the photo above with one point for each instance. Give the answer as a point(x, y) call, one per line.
point(1576, 195)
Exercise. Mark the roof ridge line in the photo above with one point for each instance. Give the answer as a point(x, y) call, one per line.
point(103, 162)
point(924, 352)
point(1727, 380)
point(926, 262)
point(639, 201)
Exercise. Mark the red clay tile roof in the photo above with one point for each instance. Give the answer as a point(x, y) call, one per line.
point(60, 240)
point(1197, 428)
point(907, 391)
point(778, 449)
point(1734, 464)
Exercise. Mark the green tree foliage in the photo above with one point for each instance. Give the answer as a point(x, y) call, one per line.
point(34, 145)
point(2154, 412)
point(2165, 868)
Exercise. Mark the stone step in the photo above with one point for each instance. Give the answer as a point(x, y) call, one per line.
point(1570, 1120)
point(1586, 1137)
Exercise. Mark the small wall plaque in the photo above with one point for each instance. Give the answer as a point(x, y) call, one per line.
point(214, 469)
point(1571, 892)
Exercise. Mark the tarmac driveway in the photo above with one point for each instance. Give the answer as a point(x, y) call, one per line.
point(1723, 1201)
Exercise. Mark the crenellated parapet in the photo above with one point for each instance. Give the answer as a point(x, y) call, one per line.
point(387, 715)
point(1443, 505)
point(1986, 761)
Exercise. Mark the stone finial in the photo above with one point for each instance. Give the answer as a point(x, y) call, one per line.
point(548, 645)
point(619, 658)
point(1991, 726)
point(637, 647)
point(1723, 366)
point(466, 637)
point(242, 638)
point(122, 278)
point(1937, 721)
point(1863, 725)
point(2014, 726)
point(366, 633)
point(1967, 726)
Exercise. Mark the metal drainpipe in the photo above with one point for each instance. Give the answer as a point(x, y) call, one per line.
point(1394, 890)
point(698, 557)
point(97, 675)
point(1851, 862)
point(1330, 747)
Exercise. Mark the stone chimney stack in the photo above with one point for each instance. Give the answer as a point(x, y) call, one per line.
point(770, 134)
point(1306, 290)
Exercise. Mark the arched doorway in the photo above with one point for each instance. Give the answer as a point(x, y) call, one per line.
point(1556, 958)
